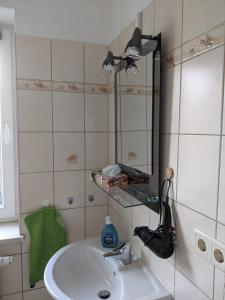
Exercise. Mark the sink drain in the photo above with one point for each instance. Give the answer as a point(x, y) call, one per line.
point(104, 294)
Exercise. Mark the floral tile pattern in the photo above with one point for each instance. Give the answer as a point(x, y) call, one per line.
point(37, 85)
point(72, 87)
point(205, 42)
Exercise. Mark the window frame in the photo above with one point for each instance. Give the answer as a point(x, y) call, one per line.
point(9, 212)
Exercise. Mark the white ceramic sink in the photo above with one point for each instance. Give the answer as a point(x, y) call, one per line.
point(79, 271)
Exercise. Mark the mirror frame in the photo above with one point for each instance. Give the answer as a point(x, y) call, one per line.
point(151, 199)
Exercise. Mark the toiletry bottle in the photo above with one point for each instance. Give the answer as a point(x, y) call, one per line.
point(109, 235)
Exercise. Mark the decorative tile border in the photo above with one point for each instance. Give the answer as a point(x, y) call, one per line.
point(36, 85)
point(135, 90)
point(205, 42)
point(93, 88)
point(61, 86)
point(172, 58)
point(71, 87)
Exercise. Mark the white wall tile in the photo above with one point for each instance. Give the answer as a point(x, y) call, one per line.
point(96, 112)
point(221, 204)
point(187, 259)
point(35, 152)
point(96, 150)
point(185, 290)
point(24, 231)
point(170, 100)
point(133, 112)
point(10, 277)
point(219, 285)
point(111, 150)
point(100, 197)
point(169, 159)
point(35, 189)
point(37, 295)
point(94, 57)
point(201, 101)
point(140, 216)
point(74, 223)
point(34, 110)
point(139, 78)
point(65, 146)
point(67, 61)
point(114, 217)
point(69, 184)
point(201, 15)
point(95, 220)
point(33, 57)
point(164, 270)
point(12, 297)
point(68, 111)
point(198, 173)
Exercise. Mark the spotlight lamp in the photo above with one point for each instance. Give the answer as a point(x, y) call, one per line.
point(131, 65)
point(134, 46)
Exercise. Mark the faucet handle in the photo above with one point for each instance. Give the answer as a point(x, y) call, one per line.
point(119, 247)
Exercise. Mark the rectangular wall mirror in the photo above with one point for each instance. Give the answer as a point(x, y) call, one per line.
point(137, 125)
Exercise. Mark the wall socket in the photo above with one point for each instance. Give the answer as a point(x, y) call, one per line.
point(210, 249)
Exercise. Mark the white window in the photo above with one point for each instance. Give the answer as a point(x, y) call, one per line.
point(8, 168)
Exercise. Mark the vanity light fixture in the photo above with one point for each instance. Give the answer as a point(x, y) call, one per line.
point(134, 46)
point(109, 63)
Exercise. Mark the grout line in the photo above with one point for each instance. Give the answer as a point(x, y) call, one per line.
point(178, 143)
point(85, 152)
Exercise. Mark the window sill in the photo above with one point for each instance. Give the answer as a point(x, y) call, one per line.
point(10, 233)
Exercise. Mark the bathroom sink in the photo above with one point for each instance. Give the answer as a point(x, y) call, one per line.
point(80, 272)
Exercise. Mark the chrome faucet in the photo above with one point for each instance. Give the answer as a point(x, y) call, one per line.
point(122, 253)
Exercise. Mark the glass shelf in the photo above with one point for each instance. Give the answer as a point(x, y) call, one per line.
point(120, 196)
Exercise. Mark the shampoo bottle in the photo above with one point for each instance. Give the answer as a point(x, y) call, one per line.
point(109, 235)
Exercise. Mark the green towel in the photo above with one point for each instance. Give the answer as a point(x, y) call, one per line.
point(47, 235)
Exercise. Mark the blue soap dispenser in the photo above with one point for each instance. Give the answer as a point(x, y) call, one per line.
point(109, 236)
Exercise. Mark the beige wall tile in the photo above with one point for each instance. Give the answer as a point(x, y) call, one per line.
point(148, 19)
point(168, 21)
point(133, 112)
point(140, 216)
point(35, 190)
point(33, 57)
point(65, 146)
point(37, 295)
point(96, 150)
point(69, 184)
point(35, 152)
point(114, 217)
point(100, 197)
point(10, 277)
point(34, 110)
point(67, 61)
point(96, 112)
point(68, 111)
point(201, 15)
point(74, 223)
point(111, 140)
point(198, 173)
point(12, 297)
point(170, 100)
point(95, 220)
point(94, 57)
point(201, 101)
point(125, 36)
point(10, 249)
point(169, 159)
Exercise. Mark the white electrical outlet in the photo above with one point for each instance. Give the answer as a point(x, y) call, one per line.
point(203, 244)
point(218, 255)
